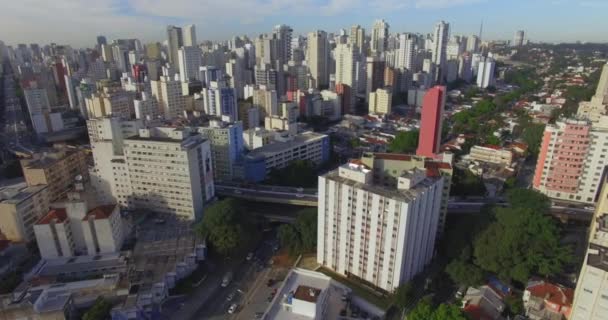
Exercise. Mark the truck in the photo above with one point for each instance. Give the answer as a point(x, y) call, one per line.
point(226, 279)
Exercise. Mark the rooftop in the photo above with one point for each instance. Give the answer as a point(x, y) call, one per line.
point(298, 140)
point(49, 158)
point(18, 192)
point(550, 292)
point(58, 215)
point(307, 293)
point(101, 212)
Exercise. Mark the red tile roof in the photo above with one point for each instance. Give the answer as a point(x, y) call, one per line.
point(59, 214)
point(552, 293)
point(101, 212)
point(476, 312)
point(437, 164)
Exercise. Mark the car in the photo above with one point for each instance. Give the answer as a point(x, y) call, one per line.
point(230, 296)
point(460, 293)
point(249, 256)
point(226, 279)
point(232, 308)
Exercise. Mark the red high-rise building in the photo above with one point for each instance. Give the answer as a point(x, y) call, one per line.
point(430, 123)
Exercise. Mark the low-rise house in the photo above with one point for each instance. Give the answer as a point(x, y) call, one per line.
point(483, 303)
point(547, 301)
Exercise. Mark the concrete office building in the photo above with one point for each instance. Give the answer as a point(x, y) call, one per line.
point(380, 101)
point(346, 57)
point(267, 101)
point(485, 73)
point(189, 60)
point(37, 101)
point(56, 168)
point(226, 147)
point(146, 108)
point(20, 207)
point(317, 58)
point(249, 115)
point(376, 229)
point(180, 188)
point(441, 35)
point(590, 301)
point(189, 36)
point(491, 154)
point(175, 41)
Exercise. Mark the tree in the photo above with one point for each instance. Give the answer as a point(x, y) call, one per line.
point(465, 183)
point(404, 142)
point(99, 311)
point(424, 311)
point(515, 304)
point(527, 198)
point(225, 225)
point(298, 173)
point(493, 140)
point(521, 242)
point(402, 295)
point(532, 135)
point(302, 236)
point(464, 273)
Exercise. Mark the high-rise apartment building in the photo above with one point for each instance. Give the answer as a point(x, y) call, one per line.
point(518, 39)
point(189, 36)
point(380, 101)
point(153, 50)
point(441, 35)
point(226, 147)
point(357, 37)
point(346, 57)
point(170, 171)
point(168, 92)
point(317, 58)
point(431, 122)
point(111, 101)
point(375, 75)
point(376, 227)
point(379, 39)
point(572, 159)
point(485, 73)
point(591, 294)
point(220, 100)
point(406, 52)
point(190, 60)
point(282, 34)
point(175, 41)
point(598, 105)
point(473, 42)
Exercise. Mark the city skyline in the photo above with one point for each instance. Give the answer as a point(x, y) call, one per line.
point(77, 23)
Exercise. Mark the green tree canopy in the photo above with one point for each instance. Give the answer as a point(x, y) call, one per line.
point(424, 311)
point(404, 142)
point(521, 242)
point(527, 198)
point(298, 173)
point(465, 183)
point(99, 311)
point(532, 135)
point(465, 273)
point(402, 295)
point(302, 236)
point(225, 225)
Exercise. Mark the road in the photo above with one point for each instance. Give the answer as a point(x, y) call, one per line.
point(14, 134)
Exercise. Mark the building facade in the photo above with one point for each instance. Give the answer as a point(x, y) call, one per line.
point(431, 122)
point(20, 207)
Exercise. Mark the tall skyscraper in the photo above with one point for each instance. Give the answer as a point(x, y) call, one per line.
point(441, 36)
point(406, 51)
point(346, 56)
point(357, 37)
point(473, 44)
point(190, 36)
point(375, 75)
point(190, 60)
point(175, 41)
point(379, 40)
point(318, 58)
point(518, 39)
point(282, 33)
point(375, 225)
point(431, 121)
point(485, 73)
point(592, 285)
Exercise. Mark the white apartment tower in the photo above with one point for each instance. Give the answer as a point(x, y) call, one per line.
point(485, 73)
point(379, 40)
point(190, 36)
point(406, 51)
point(168, 92)
point(317, 58)
point(591, 294)
point(382, 234)
point(441, 35)
point(346, 57)
point(380, 101)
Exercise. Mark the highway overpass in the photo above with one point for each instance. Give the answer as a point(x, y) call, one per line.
point(308, 197)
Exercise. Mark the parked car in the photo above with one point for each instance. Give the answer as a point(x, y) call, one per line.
point(232, 308)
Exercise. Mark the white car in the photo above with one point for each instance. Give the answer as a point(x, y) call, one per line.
point(232, 308)
point(249, 256)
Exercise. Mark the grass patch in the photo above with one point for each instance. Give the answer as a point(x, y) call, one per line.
point(364, 292)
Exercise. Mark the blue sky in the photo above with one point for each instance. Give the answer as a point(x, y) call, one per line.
point(77, 22)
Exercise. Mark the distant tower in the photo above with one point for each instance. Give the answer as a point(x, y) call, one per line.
point(190, 35)
point(518, 39)
point(175, 40)
point(430, 123)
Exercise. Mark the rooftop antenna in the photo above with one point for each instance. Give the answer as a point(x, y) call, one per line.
point(481, 30)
